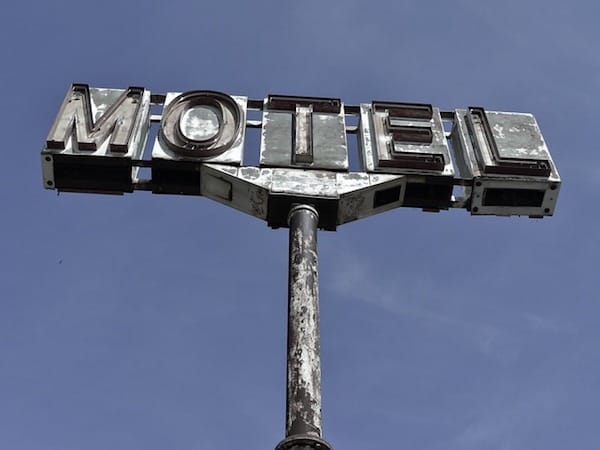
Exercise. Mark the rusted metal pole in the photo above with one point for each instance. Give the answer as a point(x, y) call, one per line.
point(303, 405)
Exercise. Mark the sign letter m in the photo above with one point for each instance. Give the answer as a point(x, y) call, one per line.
point(90, 118)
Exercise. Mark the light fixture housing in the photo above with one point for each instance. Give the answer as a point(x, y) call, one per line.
point(505, 156)
point(408, 139)
point(196, 127)
point(303, 133)
point(94, 139)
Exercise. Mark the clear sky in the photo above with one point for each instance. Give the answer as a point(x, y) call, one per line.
point(158, 322)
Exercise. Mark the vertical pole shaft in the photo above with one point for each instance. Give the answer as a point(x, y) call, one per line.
point(303, 364)
point(303, 405)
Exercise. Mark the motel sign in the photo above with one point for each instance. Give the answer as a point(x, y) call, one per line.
point(411, 155)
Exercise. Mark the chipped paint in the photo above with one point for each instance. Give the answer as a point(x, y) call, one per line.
point(517, 136)
point(249, 187)
point(328, 141)
point(303, 364)
point(348, 182)
point(499, 130)
point(299, 182)
point(350, 207)
point(366, 142)
point(357, 195)
point(258, 199)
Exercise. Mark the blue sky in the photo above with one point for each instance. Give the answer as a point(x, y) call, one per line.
point(158, 322)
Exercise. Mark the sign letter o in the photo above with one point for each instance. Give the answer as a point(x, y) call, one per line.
point(201, 124)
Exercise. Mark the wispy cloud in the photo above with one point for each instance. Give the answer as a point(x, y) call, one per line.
point(508, 409)
point(509, 415)
point(421, 297)
point(543, 324)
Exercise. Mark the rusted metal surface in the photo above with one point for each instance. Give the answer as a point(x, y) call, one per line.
point(303, 400)
point(303, 364)
point(246, 188)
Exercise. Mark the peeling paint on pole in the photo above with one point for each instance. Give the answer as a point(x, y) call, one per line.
point(304, 364)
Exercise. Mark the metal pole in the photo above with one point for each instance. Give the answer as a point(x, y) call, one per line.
point(303, 405)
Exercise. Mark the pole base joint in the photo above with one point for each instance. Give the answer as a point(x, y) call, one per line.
point(303, 442)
